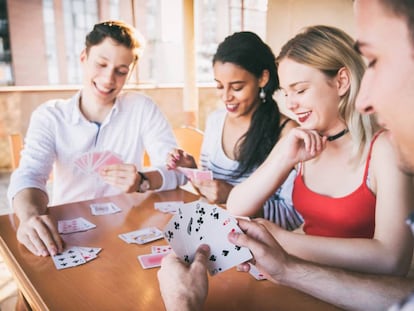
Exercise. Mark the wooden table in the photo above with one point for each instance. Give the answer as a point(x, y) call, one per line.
point(115, 280)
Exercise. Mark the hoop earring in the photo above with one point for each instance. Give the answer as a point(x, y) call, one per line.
point(262, 95)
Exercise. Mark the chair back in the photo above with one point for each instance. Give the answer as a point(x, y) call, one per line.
point(16, 146)
point(189, 139)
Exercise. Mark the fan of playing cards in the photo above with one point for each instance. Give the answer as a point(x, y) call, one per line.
point(199, 223)
point(94, 161)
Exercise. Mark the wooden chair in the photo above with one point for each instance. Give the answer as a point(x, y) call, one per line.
point(189, 139)
point(16, 146)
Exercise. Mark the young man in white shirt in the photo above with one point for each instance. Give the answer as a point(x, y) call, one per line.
point(97, 118)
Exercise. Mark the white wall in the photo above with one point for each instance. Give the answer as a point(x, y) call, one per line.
point(287, 17)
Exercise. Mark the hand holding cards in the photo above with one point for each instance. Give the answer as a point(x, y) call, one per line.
point(199, 223)
point(92, 162)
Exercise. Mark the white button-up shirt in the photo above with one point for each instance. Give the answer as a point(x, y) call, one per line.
point(58, 134)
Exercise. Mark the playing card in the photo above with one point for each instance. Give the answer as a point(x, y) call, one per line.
point(203, 175)
point(104, 159)
point(74, 225)
point(105, 208)
point(89, 253)
point(161, 249)
point(256, 273)
point(92, 162)
point(142, 236)
point(168, 207)
point(193, 173)
point(69, 258)
point(151, 260)
point(202, 223)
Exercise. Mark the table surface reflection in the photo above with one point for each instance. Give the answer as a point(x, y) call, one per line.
point(115, 280)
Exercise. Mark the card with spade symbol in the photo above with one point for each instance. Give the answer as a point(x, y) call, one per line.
point(199, 223)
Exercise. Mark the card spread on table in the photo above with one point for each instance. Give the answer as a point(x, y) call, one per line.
point(92, 162)
point(163, 249)
point(153, 260)
point(89, 253)
point(74, 225)
point(196, 174)
point(149, 261)
point(199, 223)
point(142, 236)
point(170, 207)
point(75, 256)
point(104, 208)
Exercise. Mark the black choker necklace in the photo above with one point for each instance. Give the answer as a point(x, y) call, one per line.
point(339, 135)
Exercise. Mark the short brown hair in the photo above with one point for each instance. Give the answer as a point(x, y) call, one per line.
point(118, 31)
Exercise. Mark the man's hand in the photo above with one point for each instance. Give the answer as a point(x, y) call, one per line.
point(40, 235)
point(184, 287)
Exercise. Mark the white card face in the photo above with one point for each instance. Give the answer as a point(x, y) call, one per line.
point(163, 249)
point(170, 207)
point(69, 258)
point(105, 208)
point(74, 225)
point(199, 223)
point(142, 236)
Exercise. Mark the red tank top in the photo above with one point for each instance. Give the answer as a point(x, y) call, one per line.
point(351, 216)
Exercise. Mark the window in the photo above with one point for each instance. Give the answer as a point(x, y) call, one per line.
point(161, 23)
point(6, 76)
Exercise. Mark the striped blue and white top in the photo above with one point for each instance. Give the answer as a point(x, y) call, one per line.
point(279, 207)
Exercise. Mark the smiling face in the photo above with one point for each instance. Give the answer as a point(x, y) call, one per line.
point(388, 84)
point(311, 96)
point(238, 89)
point(105, 69)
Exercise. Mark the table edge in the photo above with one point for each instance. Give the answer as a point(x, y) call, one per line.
point(24, 284)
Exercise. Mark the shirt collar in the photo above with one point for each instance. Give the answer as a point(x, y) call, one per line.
point(77, 115)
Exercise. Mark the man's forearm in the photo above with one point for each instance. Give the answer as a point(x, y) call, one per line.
point(345, 289)
point(29, 202)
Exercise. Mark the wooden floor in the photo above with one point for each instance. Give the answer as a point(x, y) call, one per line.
point(8, 288)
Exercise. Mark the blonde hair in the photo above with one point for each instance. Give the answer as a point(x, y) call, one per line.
point(329, 49)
